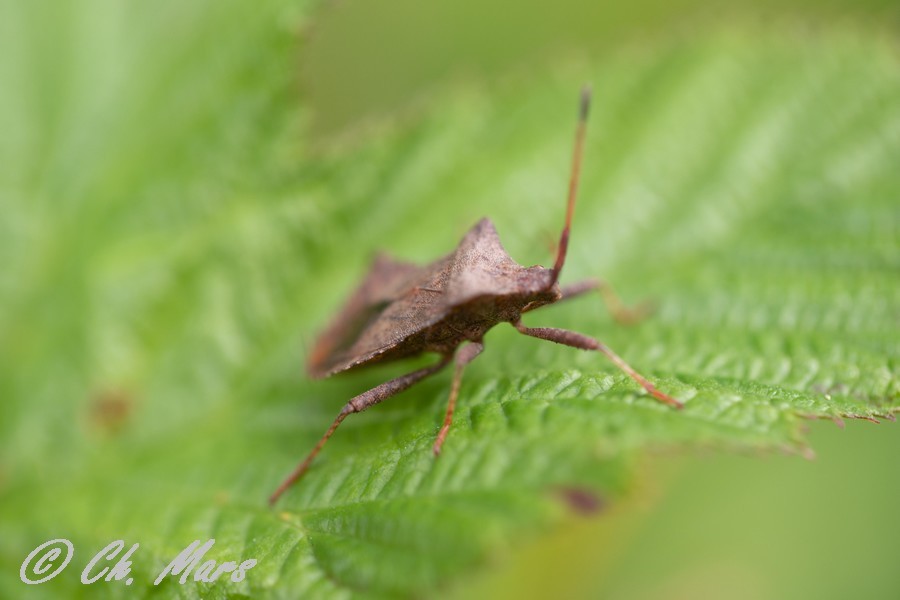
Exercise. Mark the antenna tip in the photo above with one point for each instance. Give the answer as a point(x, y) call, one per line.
point(586, 93)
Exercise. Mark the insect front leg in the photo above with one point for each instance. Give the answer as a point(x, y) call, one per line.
point(359, 404)
point(620, 312)
point(583, 342)
point(463, 357)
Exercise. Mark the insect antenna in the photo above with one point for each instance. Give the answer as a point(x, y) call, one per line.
point(573, 183)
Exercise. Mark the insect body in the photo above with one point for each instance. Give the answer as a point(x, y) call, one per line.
point(403, 310)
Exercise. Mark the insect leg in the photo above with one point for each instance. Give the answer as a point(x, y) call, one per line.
point(463, 357)
point(583, 342)
point(625, 315)
point(579, 288)
point(359, 404)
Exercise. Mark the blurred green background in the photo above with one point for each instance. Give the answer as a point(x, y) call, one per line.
point(160, 286)
point(366, 59)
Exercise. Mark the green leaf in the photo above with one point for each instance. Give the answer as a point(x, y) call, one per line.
point(169, 270)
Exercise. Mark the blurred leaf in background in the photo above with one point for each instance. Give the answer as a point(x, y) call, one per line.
point(179, 219)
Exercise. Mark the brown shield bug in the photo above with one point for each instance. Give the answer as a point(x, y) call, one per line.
point(402, 310)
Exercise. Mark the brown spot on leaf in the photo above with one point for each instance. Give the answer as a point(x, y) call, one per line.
point(582, 501)
point(110, 410)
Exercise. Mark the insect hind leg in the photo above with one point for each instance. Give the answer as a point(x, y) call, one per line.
point(358, 404)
